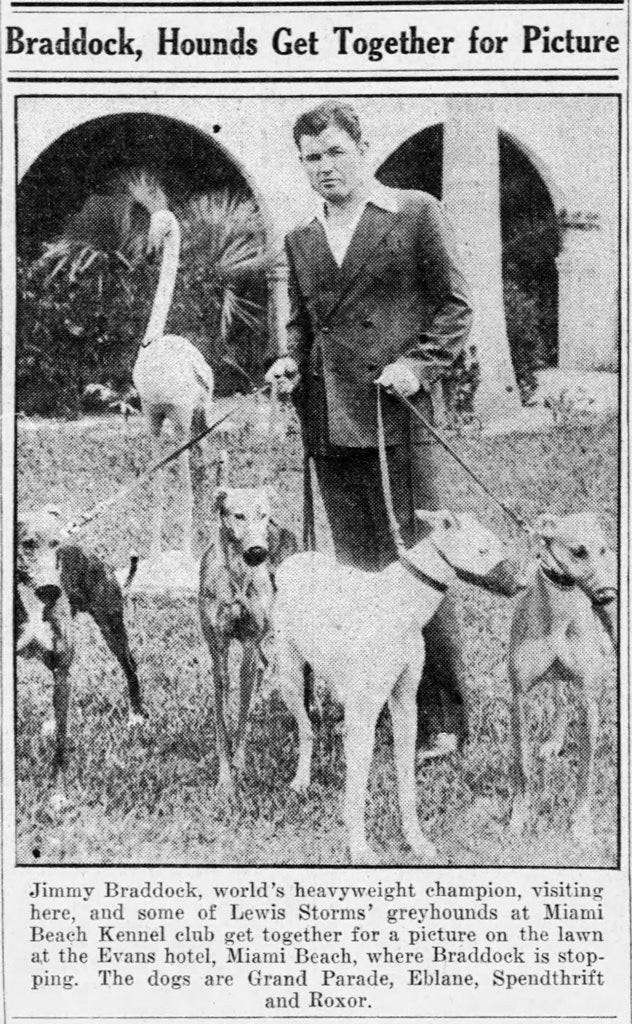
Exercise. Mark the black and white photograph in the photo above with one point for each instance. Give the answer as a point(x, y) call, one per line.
point(317, 479)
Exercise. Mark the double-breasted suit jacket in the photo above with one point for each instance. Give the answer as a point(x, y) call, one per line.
point(398, 295)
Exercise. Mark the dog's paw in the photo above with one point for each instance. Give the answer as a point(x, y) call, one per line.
point(362, 854)
point(300, 784)
point(421, 845)
point(225, 782)
point(583, 827)
point(48, 731)
point(518, 819)
point(136, 719)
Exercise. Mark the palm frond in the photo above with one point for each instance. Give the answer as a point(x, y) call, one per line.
point(145, 190)
point(235, 307)
point(99, 233)
point(224, 232)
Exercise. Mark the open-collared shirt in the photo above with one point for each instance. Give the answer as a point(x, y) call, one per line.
point(339, 235)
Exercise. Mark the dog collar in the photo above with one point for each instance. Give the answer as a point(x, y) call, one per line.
point(439, 585)
point(558, 579)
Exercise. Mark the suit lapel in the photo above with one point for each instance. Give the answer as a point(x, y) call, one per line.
point(319, 274)
point(318, 261)
point(374, 223)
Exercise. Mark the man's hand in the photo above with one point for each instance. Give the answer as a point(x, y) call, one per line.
point(284, 375)
point(398, 379)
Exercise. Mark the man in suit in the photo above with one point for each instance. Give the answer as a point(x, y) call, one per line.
point(376, 294)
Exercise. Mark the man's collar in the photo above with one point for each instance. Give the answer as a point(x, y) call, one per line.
point(377, 195)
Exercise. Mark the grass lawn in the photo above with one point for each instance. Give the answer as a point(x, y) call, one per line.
point(150, 797)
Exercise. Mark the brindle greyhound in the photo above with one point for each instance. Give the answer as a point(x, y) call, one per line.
point(558, 627)
point(55, 580)
point(235, 601)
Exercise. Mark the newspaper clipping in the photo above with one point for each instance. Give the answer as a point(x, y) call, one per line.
point(315, 698)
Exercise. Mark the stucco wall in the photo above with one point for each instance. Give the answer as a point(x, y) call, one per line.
point(572, 140)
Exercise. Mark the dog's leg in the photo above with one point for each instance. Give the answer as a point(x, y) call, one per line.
point(59, 662)
point(554, 744)
point(520, 751)
point(107, 612)
point(583, 825)
point(290, 667)
point(403, 707)
point(219, 650)
point(248, 675)
point(360, 723)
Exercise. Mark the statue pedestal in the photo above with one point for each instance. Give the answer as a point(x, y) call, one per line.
point(172, 572)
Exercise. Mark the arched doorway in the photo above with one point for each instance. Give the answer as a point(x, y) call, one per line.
point(530, 241)
point(66, 339)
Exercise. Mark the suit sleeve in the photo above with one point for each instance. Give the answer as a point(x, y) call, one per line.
point(444, 283)
point(299, 331)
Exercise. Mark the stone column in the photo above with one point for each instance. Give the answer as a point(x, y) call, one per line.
point(588, 279)
point(278, 306)
point(471, 192)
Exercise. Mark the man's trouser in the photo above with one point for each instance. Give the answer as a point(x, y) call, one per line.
point(351, 488)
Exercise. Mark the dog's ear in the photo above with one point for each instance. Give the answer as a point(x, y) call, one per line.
point(546, 526)
point(444, 519)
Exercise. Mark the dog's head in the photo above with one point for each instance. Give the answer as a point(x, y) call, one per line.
point(245, 514)
point(40, 535)
point(575, 547)
point(475, 553)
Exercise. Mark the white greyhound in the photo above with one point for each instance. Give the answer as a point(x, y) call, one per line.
point(362, 635)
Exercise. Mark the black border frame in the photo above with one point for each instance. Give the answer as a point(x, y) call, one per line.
point(619, 97)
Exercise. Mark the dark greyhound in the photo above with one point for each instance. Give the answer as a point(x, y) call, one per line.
point(55, 580)
point(235, 599)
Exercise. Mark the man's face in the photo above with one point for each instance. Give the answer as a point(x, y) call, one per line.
point(334, 163)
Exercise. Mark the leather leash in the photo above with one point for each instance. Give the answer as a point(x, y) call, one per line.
point(509, 512)
point(86, 517)
point(402, 554)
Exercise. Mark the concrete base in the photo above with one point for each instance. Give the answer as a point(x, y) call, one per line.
point(562, 396)
point(172, 572)
point(593, 391)
point(525, 421)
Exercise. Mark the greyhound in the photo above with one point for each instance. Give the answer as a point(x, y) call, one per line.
point(558, 626)
point(237, 585)
point(54, 581)
point(362, 635)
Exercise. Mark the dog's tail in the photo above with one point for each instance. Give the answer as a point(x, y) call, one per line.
point(131, 572)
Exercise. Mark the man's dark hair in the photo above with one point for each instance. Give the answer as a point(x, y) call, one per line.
point(315, 121)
